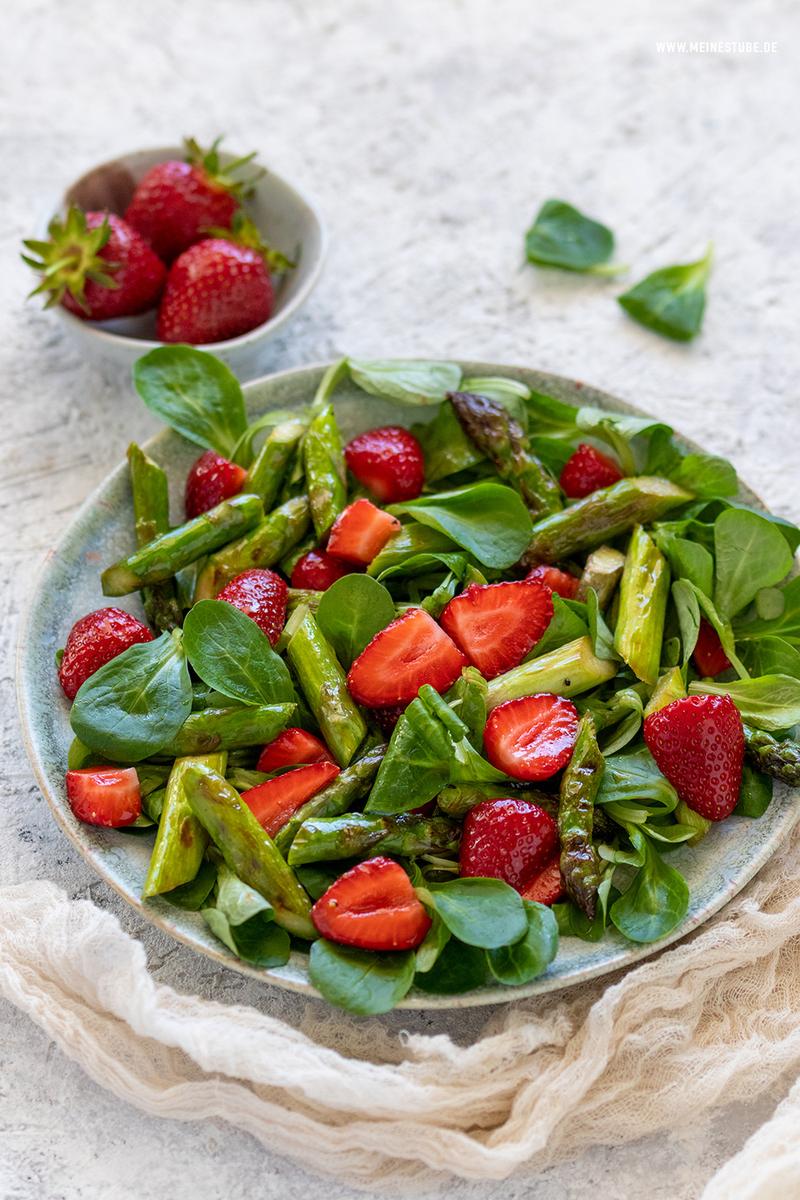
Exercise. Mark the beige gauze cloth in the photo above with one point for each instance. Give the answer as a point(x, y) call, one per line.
point(712, 1020)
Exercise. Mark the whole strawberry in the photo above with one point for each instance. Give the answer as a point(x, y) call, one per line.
point(176, 203)
point(388, 461)
point(215, 290)
point(317, 570)
point(698, 743)
point(96, 266)
point(509, 839)
point(211, 480)
point(93, 641)
point(261, 594)
point(586, 471)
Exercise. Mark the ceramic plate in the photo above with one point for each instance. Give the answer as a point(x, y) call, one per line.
point(69, 586)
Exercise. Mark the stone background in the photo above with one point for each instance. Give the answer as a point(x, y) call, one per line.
point(429, 133)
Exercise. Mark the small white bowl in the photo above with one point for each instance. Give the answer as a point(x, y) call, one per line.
point(288, 220)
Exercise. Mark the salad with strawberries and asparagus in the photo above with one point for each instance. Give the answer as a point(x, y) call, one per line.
point(423, 703)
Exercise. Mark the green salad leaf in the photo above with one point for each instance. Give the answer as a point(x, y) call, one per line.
point(671, 301)
point(481, 912)
point(137, 702)
point(657, 899)
point(411, 381)
point(755, 793)
point(770, 702)
point(785, 626)
point(195, 393)
point(528, 958)
point(361, 981)
point(486, 519)
point(458, 968)
point(561, 236)
point(750, 554)
point(351, 612)
point(230, 653)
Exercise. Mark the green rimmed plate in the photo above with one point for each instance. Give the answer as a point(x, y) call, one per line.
point(69, 586)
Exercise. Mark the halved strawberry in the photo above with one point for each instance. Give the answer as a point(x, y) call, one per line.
point(698, 743)
point(317, 571)
point(387, 718)
point(211, 480)
point(273, 802)
point(496, 624)
point(292, 748)
point(709, 657)
point(586, 471)
point(509, 839)
point(361, 532)
point(533, 737)
point(388, 461)
point(560, 582)
point(108, 796)
point(410, 651)
point(261, 595)
point(373, 906)
point(548, 886)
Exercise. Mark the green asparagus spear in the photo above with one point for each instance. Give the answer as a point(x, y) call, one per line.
point(324, 686)
point(296, 597)
point(150, 493)
point(601, 574)
point(181, 839)
point(411, 540)
point(229, 729)
point(325, 470)
point(567, 671)
point(338, 797)
point(248, 849)
point(457, 799)
point(580, 864)
point(643, 596)
point(499, 436)
point(267, 472)
point(243, 779)
point(324, 839)
point(161, 558)
point(781, 759)
point(602, 515)
point(262, 547)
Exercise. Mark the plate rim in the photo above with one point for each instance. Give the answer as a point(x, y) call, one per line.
point(628, 955)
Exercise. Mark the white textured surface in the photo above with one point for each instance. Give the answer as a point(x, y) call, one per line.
point(429, 132)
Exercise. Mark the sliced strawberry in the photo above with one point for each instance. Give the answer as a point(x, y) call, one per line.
point(410, 651)
point(586, 471)
point(548, 886)
point(361, 532)
point(709, 657)
point(560, 582)
point(273, 802)
point(317, 571)
point(292, 748)
point(698, 743)
point(211, 480)
point(533, 737)
point(388, 461)
point(93, 641)
point(373, 906)
point(262, 595)
point(107, 796)
point(509, 839)
point(496, 624)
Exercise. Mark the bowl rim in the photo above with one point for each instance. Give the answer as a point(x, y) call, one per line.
point(125, 340)
point(631, 954)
